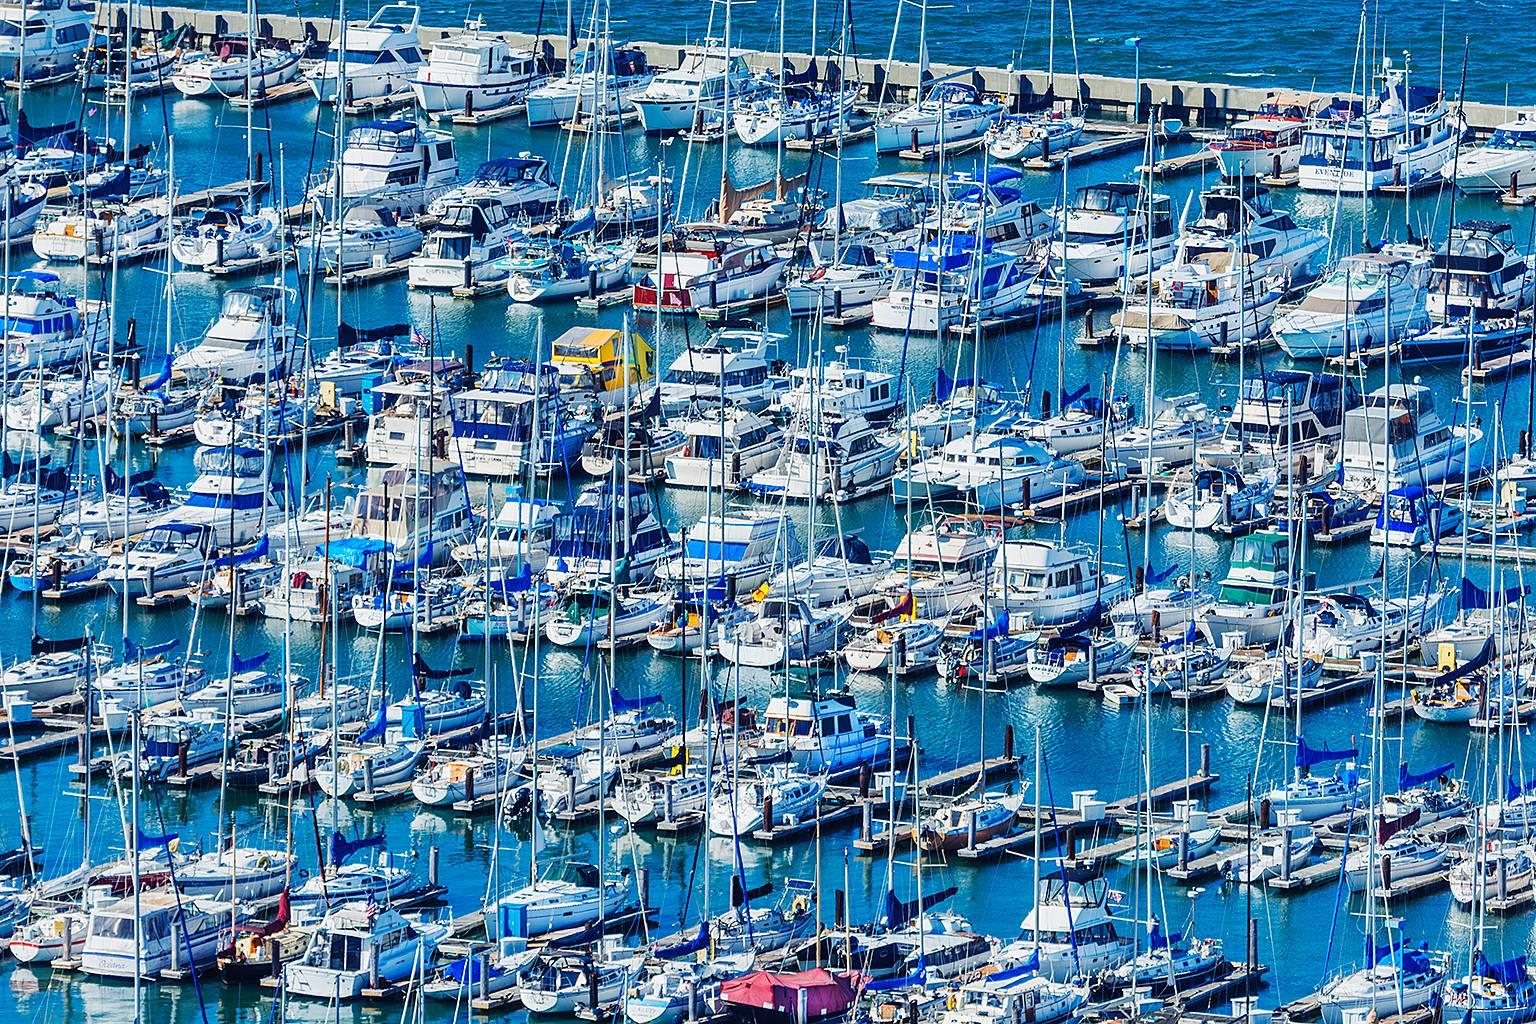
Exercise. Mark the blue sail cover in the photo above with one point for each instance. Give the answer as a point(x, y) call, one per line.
point(999, 627)
point(899, 912)
point(1375, 954)
point(249, 555)
point(342, 847)
point(1472, 664)
point(165, 840)
point(691, 946)
point(1514, 789)
point(1089, 620)
point(1157, 940)
point(1156, 576)
point(376, 728)
point(354, 551)
point(945, 385)
point(916, 978)
point(1307, 756)
point(133, 652)
point(1409, 779)
point(239, 664)
point(1072, 399)
point(622, 703)
point(1474, 597)
point(1507, 972)
point(165, 375)
point(1023, 970)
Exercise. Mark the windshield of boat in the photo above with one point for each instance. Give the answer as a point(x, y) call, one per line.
point(245, 305)
point(1513, 138)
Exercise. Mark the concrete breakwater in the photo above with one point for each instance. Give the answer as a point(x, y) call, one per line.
point(1203, 104)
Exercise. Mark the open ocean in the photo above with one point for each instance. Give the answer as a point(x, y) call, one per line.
point(1300, 44)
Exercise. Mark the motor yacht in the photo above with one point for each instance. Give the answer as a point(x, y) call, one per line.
point(472, 71)
point(382, 58)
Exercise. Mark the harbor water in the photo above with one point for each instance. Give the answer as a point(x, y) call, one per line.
point(1086, 745)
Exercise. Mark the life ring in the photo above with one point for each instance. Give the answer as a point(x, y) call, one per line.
point(263, 862)
point(817, 274)
point(800, 905)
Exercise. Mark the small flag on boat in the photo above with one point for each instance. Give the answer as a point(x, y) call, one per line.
point(1116, 896)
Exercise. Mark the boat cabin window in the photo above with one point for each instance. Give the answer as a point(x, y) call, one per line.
point(103, 927)
point(346, 953)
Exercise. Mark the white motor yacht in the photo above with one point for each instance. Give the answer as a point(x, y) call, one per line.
point(473, 71)
point(382, 58)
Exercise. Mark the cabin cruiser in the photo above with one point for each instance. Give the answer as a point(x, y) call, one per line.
point(359, 946)
point(164, 557)
point(1254, 593)
point(382, 58)
point(1040, 583)
point(231, 496)
point(841, 569)
point(604, 369)
point(465, 248)
point(516, 539)
point(944, 566)
point(1398, 438)
point(394, 165)
point(494, 428)
point(1502, 164)
point(832, 459)
point(1200, 304)
point(1412, 516)
point(825, 736)
point(595, 78)
point(1181, 425)
point(220, 237)
point(730, 369)
point(472, 72)
point(412, 418)
point(694, 95)
point(724, 448)
point(990, 470)
point(231, 70)
point(947, 111)
point(46, 326)
point(842, 389)
point(1405, 138)
point(366, 237)
point(1070, 928)
point(421, 513)
point(952, 280)
point(1370, 299)
point(795, 112)
point(569, 895)
point(1112, 231)
point(57, 33)
point(991, 207)
point(731, 552)
point(853, 277)
point(251, 340)
point(785, 630)
point(1266, 144)
point(1282, 414)
point(706, 273)
point(611, 531)
point(153, 932)
point(1240, 221)
point(98, 232)
point(520, 185)
point(1028, 136)
point(1479, 273)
